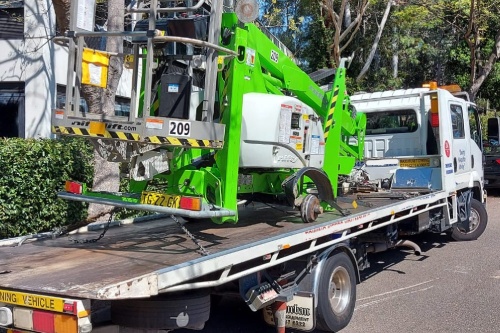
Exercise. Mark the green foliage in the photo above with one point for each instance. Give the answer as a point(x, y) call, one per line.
point(288, 21)
point(32, 172)
point(426, 37)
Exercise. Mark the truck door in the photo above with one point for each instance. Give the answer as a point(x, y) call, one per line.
point(476, 142)
point(461, 143)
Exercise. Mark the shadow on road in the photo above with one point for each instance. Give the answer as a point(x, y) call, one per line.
point(384, 261)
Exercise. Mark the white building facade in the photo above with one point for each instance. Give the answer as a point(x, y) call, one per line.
point(33, 69)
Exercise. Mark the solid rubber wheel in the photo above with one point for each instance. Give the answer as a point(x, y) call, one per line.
point(336, 293)
point(310, 208)
point(478, 220)
point(170, 311)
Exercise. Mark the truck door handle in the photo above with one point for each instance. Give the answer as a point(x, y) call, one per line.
point(455, 164)
point(472, 161)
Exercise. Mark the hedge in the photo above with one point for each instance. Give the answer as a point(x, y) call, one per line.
point(32, 171)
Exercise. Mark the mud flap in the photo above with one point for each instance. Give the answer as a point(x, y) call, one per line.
point(323, 185)
point(464, 209)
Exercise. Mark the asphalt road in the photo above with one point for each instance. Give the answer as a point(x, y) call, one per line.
point(452, 287)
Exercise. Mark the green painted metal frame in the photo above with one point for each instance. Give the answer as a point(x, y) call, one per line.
point(214, 175)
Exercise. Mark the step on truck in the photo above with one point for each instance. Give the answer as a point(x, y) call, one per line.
point(267, 186)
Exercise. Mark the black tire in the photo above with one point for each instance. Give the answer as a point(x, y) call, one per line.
point(478, 220)
point(182, 310)
point(336, 293)
point(215, 300)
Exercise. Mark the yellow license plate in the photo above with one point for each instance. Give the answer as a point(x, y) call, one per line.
point(414, 162)
point(160, 199)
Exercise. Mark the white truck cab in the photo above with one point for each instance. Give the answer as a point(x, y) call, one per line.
point(428, 129)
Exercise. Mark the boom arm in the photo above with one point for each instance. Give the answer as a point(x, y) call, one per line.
point(340, 122)
point(284, 73)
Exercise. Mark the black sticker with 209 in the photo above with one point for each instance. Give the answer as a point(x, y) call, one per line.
point(179, 128)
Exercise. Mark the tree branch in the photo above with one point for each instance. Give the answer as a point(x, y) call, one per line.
point(356, 23)
point(487, 68)
point(376, 41)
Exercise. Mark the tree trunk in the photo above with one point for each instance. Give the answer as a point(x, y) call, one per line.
point(335, 21)
point(347, 15)
point(107, 174)
point(375, 43)
point(472, 38)
point(395, 54)
point(61, 8)
point(486, 69)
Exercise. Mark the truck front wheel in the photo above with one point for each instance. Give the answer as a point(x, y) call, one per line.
point(336, 293)
point(477, 223)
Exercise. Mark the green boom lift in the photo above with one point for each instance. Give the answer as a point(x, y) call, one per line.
point(223, 116)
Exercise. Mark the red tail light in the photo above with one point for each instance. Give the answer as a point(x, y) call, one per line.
point(43, 321)
point(190, 203)
point(435, 119)
point(73, 187)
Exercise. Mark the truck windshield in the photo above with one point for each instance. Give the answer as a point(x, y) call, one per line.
point(391, 122)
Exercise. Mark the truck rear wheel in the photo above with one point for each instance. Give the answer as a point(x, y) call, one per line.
point(477, 223)
point(336, 293)
point(182, 310)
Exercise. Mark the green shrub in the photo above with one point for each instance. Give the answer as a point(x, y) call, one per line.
point(32, 171)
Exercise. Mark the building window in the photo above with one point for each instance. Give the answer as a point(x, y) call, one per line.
point(11, 19)
point(61, 99)
point(11, 109)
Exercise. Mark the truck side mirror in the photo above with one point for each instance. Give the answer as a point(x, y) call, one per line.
point(493, 133)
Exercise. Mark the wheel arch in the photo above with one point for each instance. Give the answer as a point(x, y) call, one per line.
point(320, 179)
point(478, 191)
point(330, 252)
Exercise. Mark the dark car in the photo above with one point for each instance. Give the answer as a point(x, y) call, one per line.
point(492, 171)
point(491, 152)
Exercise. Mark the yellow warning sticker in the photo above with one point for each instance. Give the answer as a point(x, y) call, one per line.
point(32, 300)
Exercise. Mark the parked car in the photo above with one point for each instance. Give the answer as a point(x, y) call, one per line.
point(491, 152)
point(492, 167)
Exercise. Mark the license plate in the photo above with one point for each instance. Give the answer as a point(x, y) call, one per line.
point(414, 162)
point(160, 199)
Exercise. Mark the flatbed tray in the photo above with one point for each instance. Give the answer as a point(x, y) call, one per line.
point(130, 253)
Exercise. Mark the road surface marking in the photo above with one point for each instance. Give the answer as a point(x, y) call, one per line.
point(397, 290)
point(390, 297)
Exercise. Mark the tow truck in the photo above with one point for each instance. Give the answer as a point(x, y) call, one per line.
point(240, 134)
